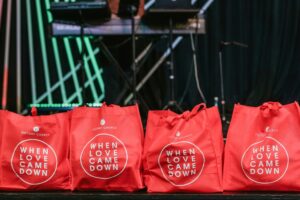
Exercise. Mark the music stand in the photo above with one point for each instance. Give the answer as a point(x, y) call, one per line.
point(81, 13)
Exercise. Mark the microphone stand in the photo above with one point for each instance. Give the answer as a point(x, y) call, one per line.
point(222, 45)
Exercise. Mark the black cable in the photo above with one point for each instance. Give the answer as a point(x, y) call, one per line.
point(187, 86)
point(196, 52)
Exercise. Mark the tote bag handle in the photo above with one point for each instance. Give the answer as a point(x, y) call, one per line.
point(34, 111)
point(270, 108)
point(172, 120)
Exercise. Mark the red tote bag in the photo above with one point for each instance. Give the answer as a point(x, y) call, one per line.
point(2, 114)
point(183, 153)
point(106, 148)
point(262, 149)
point(34, 152)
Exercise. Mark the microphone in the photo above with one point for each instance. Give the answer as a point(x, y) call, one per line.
point(233, 43)
point(239, 44)
point(225, 43)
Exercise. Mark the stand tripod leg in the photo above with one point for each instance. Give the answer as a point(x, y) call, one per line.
point(119, 70)
point(153, 69)
point(140, 60)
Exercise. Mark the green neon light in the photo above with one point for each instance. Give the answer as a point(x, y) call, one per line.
point(95, 67)
point(49, 15)
point(31, 51)
point(87, 83)
point(87, 70)
point(56, 56)
point(72, 65)
point(66, 77)
point(95, 64)
point(62, 105)
point(58, 68)
point(44, 50)
point(74, 69)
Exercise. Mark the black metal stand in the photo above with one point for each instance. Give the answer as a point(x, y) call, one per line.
point(120, 71)
point(139, 63)
point(172, 102)
point(134, 64)
point(223, 102)
point(223, 116)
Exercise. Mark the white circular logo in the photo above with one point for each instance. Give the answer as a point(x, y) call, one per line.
point(104, 157)
point(102, 122)
point(36, 129)
point(265, 162)
point(181, 163)
point(34, 161)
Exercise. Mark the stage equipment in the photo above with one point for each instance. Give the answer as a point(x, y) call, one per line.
point(123, 27)
point(81, 13)
point(171, 12)
point(176, 4)
point(195, 47)
point(129, 9)
point(159, 11)
point(221, 47)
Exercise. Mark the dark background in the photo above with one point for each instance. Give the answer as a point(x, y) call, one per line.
point(268, 70)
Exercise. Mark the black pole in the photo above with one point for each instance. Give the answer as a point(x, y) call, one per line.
point(171, 75)
point(221, 47)
point(134, 64)
point(172, 102)
point(222, 84)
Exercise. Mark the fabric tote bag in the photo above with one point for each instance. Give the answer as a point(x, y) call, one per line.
point(34, 152)
point(183, 153)
point(262, 148)
point(106, 148)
